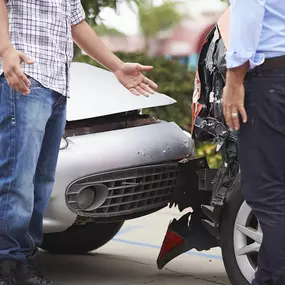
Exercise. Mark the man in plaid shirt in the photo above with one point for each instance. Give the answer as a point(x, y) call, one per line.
point(36, 49)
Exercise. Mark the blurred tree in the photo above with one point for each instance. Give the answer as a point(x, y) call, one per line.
point(103, 30)
point(154, 19)
point(209, 150)
point(227, 1)
point(93, 8)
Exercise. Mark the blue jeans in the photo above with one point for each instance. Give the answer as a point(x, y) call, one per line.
point(31, 128)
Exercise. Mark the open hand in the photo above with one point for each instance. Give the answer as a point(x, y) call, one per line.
point(233, 105)
point(15, 77)
point(130, 75)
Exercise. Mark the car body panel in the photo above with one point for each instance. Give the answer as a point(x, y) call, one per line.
point(95, 92)
point(105, 151)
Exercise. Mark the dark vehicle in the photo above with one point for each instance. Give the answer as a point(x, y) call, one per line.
point(220, 216)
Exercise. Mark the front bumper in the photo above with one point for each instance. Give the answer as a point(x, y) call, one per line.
point(126, 193)
point(193, 189)
point(124, 155)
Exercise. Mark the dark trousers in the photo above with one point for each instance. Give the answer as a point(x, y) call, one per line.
point(262, 161)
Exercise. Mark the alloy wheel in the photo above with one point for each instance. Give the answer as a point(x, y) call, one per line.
point(247, 241)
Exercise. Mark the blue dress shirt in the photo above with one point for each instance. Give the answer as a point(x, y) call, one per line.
point(257, 31)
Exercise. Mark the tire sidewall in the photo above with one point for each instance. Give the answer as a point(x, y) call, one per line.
point(234, 202)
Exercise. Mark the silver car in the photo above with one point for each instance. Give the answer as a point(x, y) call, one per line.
point(116, 163)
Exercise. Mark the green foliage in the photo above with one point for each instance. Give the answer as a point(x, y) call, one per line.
point(154, 19)
point(93, 8)
point(209, 150)
point(173, 79)
point(102, 30)
point(227, 1)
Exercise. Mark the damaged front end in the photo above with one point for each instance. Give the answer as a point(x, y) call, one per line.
point(192, 190)
point(202, 190)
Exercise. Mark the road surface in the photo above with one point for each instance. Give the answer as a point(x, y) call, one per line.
point(130, 259)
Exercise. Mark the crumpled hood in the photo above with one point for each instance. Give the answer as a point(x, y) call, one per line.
point(96, 92)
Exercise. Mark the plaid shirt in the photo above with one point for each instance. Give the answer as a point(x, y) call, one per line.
point(42, 30)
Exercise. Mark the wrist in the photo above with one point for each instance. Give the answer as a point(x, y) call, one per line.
point(235, 76)
point(117, 66)
point(5, 49)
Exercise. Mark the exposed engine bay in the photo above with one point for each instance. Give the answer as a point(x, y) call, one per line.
point(108, 123)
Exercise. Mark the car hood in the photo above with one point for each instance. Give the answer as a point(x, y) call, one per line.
point(95, 92)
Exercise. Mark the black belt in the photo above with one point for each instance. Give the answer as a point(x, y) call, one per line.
point(272, 63)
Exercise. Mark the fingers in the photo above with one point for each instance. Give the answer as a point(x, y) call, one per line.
point(227, 115)
point(21, 76)
point(150, 83)
point(243, 114)
point(135, 92)
point(145, 67)
point(13, 73)
point(142, 88)
point(142, 91)
point(146, 88)
point(232, 116)
point(14, 80)
point(26, 58)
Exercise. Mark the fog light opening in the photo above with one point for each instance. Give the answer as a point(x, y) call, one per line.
point(86, 198)
point(92, 197)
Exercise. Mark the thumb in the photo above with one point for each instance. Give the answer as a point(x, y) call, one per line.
point(145, 67)
point(26, 58)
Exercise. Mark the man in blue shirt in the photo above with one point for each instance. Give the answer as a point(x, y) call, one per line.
point(254, 103)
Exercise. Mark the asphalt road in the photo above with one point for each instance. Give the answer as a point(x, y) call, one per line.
point(130, 259)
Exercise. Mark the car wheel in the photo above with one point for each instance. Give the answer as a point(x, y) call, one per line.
point(81, 239)
point(241, 238)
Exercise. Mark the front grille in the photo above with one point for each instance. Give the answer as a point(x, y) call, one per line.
point(130, 191)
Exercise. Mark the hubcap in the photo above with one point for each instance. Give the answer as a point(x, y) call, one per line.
point(247, 241)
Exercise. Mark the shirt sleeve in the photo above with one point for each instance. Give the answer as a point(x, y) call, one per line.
point(245, 30)
point(77, 12)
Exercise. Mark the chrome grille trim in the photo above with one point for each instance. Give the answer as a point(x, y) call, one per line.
point(130, 190)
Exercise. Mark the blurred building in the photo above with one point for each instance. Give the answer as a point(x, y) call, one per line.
point(183, 42)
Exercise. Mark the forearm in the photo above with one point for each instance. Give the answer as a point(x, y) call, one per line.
point(4, 28)
point(86, 38)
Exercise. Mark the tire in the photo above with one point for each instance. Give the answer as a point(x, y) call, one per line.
point(81, 239)
point(239, 266)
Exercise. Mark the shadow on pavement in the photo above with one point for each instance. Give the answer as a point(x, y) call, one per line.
point(109, 269)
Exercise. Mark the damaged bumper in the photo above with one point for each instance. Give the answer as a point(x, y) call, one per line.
point(193, 189)
point(204, 192)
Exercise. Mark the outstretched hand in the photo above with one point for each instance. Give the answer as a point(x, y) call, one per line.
point(131, 76)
